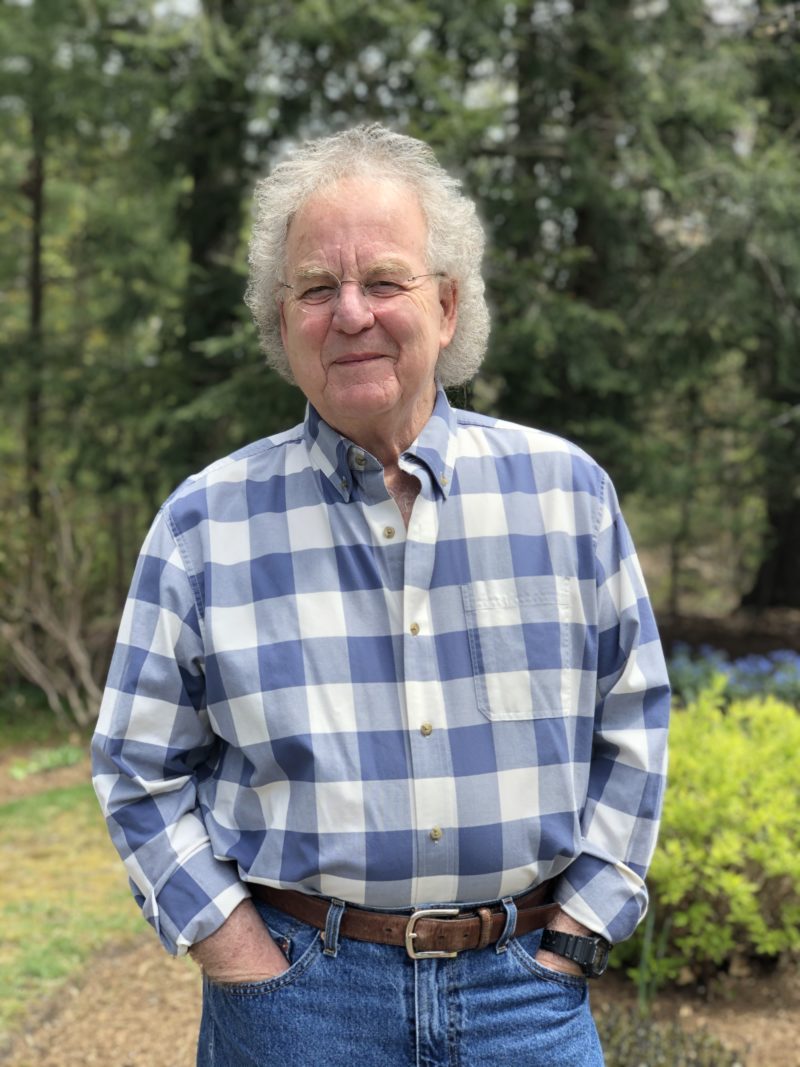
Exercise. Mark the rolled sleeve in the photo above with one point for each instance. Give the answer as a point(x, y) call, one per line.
point(604, 887)
point(152, 746)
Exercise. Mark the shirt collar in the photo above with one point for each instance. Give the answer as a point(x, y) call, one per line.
point(435, 447)
point(328, 451)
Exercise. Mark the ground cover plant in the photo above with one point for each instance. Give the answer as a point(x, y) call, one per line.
point(47, 759)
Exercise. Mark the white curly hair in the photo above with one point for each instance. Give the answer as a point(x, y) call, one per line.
point(455, 237)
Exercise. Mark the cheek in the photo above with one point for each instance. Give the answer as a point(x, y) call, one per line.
point(303, 339)
point(412, 327)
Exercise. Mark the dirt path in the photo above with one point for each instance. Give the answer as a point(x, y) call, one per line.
point(131, 1007)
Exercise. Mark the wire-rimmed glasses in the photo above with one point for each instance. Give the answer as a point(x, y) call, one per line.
point(321, 292)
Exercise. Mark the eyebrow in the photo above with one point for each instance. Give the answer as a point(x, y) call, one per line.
point(388, 266)
point(383, 266)
point(309, 273)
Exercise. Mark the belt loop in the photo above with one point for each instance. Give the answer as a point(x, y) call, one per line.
point(485, 916)
point(510, 909)
point(332, 924)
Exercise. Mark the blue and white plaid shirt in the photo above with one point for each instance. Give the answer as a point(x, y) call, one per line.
point(308, 695)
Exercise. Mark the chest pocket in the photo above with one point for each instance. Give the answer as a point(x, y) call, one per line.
point(519, 646)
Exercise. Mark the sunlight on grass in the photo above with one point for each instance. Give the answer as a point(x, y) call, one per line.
point(64, 893)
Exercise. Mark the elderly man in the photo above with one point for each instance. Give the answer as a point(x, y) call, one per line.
point(383, 743)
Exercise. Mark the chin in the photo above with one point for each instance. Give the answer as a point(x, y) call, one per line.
point(368, 396)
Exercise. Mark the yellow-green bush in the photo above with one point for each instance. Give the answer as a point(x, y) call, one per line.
point(725, 880)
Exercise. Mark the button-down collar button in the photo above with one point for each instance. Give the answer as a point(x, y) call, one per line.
point(426, 729)
point(343, 484)
point(443, 478)
point(388, 532)
point(414, 628)
point(359, 459)
point(436, 833)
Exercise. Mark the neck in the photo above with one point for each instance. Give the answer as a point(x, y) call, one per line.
point(404, 489)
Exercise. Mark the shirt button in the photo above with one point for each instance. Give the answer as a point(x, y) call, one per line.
point(360, 459)
point(436, 833)
point(414, 628)
point(426, 729)
point(388, 532)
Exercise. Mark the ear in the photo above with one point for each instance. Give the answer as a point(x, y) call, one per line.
point(448, 302)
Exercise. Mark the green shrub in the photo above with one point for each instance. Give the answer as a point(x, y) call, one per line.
point(725, 880)
point(629, 1038)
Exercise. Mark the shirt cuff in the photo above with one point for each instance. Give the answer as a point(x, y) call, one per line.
point(193, 901)
point(608, 898)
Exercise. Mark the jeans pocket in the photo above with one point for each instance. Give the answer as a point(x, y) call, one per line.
point(262, 987)
point(299, 942)
point(524, 949)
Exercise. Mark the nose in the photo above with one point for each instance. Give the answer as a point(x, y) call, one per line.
point(352, 312)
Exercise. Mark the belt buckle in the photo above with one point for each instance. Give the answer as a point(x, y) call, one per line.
point(427, 913)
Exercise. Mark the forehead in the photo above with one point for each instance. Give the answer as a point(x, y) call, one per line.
point(356, 222)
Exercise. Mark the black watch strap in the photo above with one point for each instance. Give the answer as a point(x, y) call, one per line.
point(590, 953)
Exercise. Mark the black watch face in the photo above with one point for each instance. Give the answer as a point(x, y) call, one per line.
point(599, 960)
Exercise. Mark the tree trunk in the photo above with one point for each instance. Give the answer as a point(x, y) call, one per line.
point(211, 146)
point(34, 188)
point(777, 583)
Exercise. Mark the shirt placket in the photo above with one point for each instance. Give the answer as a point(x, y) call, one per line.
point(433, 793)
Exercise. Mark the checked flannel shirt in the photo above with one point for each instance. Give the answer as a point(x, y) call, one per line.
point(308, 695)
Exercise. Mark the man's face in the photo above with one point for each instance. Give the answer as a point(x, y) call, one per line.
point(366, 366)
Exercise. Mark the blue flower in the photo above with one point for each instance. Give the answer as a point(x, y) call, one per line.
point(776, 674)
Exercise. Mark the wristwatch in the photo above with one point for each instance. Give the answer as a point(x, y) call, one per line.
point(590, 953)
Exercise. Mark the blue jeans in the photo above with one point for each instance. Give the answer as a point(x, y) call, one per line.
point(372, 1006)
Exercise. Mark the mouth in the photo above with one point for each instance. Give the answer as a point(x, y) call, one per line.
point(358, 357)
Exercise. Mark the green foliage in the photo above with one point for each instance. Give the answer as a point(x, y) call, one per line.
point(46, 759)
point(726, 874)
point(629, 1038)
point(26, 720)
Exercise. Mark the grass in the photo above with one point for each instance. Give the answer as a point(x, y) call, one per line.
point(64, 893)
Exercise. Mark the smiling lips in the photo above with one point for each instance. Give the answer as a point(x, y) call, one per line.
point(359, 357)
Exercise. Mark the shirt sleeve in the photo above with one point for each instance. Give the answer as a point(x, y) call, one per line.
point(604, 886)
point(153, 747)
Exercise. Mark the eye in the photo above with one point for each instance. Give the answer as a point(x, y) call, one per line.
point(384, 287)
point(318, 294)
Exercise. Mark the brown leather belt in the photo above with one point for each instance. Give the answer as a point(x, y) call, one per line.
point(427, 932)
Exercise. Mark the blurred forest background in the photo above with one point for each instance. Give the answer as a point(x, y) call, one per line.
point(637, 167)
